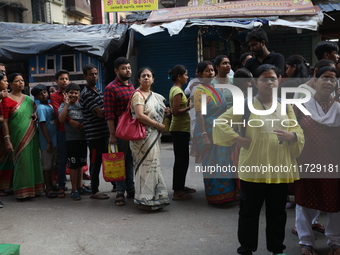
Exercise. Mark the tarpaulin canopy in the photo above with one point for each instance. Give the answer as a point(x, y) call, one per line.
point(19, 41)
point(232, 9)
point(244, 14)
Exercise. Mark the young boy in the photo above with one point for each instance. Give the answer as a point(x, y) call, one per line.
point(47, 130)
point(75, 138)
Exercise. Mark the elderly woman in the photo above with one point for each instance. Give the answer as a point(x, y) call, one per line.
point(149, 108)
point(265, 144)
point(319, 191)
point(21, 139)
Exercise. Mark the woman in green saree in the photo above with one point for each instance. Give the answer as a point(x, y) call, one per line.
point(20, 136)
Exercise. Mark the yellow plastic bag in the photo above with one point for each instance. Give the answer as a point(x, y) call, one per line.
point(113, 165)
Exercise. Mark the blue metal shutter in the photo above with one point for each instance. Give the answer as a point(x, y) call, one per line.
point(290, 43)
point(161, 52)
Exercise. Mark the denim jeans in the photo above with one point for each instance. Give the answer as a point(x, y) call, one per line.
point(62, 158)
point(128, 184)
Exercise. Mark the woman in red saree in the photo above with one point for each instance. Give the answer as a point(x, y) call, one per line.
point(6, 162)
point(21, 139)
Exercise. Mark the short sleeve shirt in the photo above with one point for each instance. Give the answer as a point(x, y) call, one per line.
point(180, 122)
point(46, 114)
point(116, 98)
point(95, 127)
point(75, 113)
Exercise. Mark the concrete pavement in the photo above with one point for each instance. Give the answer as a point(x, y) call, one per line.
point(45, 226)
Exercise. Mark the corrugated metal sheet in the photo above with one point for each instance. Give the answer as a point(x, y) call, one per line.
point(162, 52)
point(329, 7)
point(292, 43)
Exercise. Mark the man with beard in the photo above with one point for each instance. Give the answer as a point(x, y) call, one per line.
point(116, 97)
point(257, 41)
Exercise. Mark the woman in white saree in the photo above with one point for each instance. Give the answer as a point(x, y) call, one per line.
point(149, 108)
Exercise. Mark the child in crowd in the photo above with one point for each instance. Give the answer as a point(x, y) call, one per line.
point(47, 130)
point(75, 138)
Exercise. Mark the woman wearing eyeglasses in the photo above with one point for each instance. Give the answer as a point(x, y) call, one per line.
point(265, 147)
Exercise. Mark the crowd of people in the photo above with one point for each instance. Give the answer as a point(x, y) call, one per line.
point(69, 122)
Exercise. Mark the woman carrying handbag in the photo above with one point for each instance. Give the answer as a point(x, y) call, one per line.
point(148, 107)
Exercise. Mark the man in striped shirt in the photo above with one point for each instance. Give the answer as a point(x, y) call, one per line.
point(96, 130)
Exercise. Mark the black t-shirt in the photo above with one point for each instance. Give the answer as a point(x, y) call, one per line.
point(275, 59)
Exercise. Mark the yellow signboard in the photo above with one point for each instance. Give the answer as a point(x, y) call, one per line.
point(130, 5)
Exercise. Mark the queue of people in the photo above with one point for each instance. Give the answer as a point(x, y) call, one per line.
point(76, 120)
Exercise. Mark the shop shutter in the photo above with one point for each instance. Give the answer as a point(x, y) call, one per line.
point(292, 43)
point(161, 52)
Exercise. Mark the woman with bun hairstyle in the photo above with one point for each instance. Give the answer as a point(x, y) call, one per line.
point(180, 132)
point(149, 108)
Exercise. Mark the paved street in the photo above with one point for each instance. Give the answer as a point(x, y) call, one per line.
point(45, 226)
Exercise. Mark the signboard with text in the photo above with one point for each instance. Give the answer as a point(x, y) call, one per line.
point(130, 5)
point(239, 9)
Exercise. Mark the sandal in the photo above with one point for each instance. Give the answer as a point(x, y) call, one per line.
point(130, 193)
point(335, 249)
point(61, 193)
point(182, 196)
point(189, 190)
point(307, 250)
point(50, 193)
point(87, 186)
point(319, 227)
point(99, 195)
point(3, 193)
point(120, 199)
